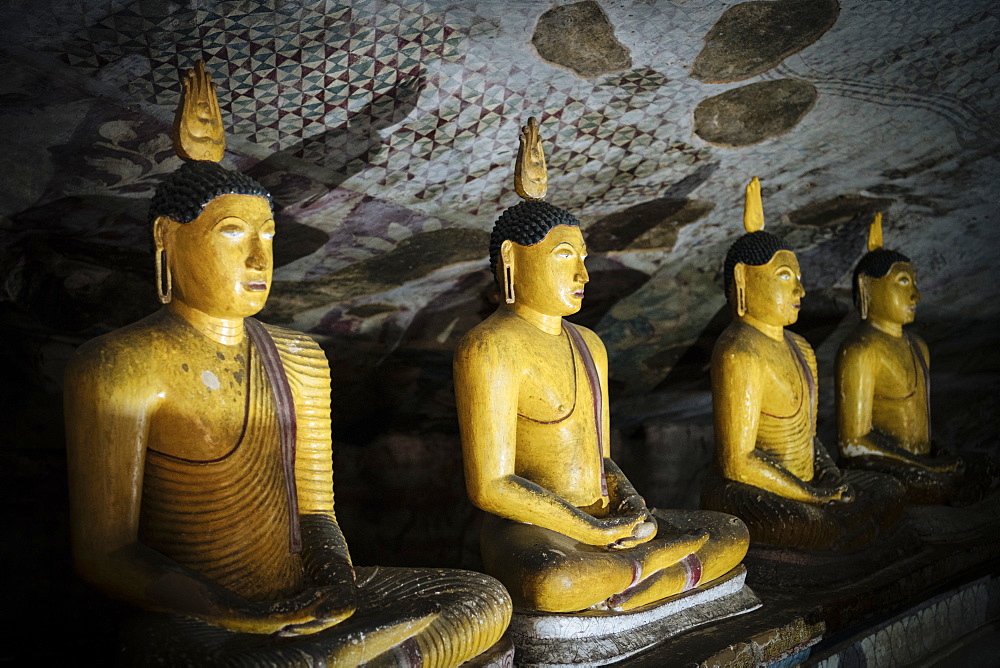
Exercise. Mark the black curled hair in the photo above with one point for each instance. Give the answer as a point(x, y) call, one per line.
point(754, 249)
point(184, 194)
point(526, 223)
point(876, 264)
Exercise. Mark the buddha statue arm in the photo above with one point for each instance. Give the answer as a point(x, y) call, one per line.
point(855, 371)
point(944, 458)
point(623, 496)
point(325, 556)
point(308, 374)
point(107, 416)
point(737, 391)
point(824, 469)
point(486, 392)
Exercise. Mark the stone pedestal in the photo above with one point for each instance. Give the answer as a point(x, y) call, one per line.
point(922, 609)
point(797, 569)
point(500, 655)
point(598, 637)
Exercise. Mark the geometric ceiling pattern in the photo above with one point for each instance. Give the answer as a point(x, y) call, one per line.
point(287, 69)
point(403, 116)
point(321, 79)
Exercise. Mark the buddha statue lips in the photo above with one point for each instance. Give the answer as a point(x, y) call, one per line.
point(883, 389)
point(772, 470)
point(565, 530)
point(201, 475)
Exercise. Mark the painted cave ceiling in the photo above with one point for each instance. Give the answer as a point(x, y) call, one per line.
point(387, 131)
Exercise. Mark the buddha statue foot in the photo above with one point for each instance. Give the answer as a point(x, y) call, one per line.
point(979, 477)
point(404, 617)
point(778, 521)
point(597, 637)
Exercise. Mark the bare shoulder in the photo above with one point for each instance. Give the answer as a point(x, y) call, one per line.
point(857, 346)
point(738, 344)
point(129, 352)
point(498, 337)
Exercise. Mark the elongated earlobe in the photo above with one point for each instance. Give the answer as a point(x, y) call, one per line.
point(507, 257)
point(863, 297)
point(164, 283)
point(739, 282)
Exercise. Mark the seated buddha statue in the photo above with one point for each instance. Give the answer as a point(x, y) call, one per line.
point(564, 529)
point(883, 389)
point(200, 464)
point(772, 471)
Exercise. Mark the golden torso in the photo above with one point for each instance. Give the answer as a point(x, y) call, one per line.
point(784, 430)
point(557, 444)
point(192, 373)
point(899, 401)
point(213, 488)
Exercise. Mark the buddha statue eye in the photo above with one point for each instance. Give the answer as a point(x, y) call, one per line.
point(232, 232)
point(904, 280)
point(267, 235)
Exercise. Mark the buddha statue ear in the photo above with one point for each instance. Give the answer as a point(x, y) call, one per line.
point(864, 294)
point(740, 288)
point(164, 282)
point(507, 260)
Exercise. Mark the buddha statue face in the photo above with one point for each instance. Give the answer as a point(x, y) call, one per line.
point(221, 262)
point(549, 276)
point(773, 292)
point(893, 297)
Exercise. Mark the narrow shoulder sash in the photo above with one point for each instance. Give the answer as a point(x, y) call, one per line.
point(927, 378)
point(810, 380)
point(285, 406)
point(595, 392)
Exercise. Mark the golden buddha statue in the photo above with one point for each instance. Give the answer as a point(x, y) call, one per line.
point(564, 530)
point(775, 474)
point(200, 464)
point(883, 389)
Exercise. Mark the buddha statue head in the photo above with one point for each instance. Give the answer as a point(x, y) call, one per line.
point(212, 227)
point(885, 282)
point(537, 255)
point(212, 231)
point(761, 273)
point(537, 251)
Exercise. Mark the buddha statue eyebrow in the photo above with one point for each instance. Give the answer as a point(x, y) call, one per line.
point(220, 221)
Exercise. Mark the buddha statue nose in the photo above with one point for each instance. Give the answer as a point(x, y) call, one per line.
point(257, 258)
